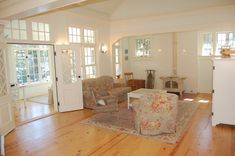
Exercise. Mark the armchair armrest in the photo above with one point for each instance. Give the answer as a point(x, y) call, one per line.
point(136, 105)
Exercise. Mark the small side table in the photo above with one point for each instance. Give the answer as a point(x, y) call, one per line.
point(136, 84)
point(174, 84)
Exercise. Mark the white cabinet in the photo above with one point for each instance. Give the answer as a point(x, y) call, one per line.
point(223, 103)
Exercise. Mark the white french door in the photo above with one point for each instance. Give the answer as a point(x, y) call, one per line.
point(68, 73)
point(7, 122)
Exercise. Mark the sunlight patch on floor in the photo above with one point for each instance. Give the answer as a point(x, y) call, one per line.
point(203, 101)
point(187, 99)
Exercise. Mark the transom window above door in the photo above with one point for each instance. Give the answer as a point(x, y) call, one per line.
point(41, 31)
point(89, 36)
point(74, 35)
point(16, 29)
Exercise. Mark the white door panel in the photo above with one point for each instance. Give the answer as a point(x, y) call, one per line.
point(69, 81)
point(6, 115)
point(7, 122)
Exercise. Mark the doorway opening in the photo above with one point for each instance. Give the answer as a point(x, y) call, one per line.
point(32, 80)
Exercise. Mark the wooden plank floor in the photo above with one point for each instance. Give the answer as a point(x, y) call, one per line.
point(32, 111)
point(63, 135)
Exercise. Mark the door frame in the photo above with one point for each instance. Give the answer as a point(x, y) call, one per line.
point(53, 69)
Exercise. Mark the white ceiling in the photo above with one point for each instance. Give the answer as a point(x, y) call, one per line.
point(6, 3)
point(124, 9)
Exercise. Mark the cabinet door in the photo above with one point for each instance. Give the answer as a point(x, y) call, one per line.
point(224, 92)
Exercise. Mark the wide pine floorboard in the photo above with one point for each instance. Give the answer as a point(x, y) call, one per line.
point(62, 135)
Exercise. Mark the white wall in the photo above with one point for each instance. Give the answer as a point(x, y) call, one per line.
point(61, 20)
point(205, 74)
point(187, 62)
point(186, 25)
point(126, 64)
point(161, 61)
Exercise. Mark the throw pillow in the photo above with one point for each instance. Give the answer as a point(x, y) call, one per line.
point(101, 102)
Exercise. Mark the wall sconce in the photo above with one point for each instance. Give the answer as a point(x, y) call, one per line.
point(103, 48)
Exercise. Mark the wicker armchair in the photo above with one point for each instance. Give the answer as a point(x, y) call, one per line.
point(155, 113)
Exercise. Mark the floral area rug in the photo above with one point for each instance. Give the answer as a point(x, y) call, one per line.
point(123, 121)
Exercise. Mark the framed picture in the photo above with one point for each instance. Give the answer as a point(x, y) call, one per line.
point(126, 58)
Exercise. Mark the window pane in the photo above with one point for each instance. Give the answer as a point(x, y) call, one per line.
point(74, 31)
point(143, 47)
point(40, 27)
point(70, 31)
point(78, 31)
point(15, 34)
point(207, 45)
point(90, 72)
point(22, 24)
point(44, 65)
point(85, 32)
point(41, 36)
point(221, 41)
point(21, 66)
point(89, 56)
point(33, 66)
point(47, 29)
point(118, 69)
point(89, 36)
point(69, 66)
point(34, 26)
point(74, 35)
point(74, 39)
point(35, 35)
point(23, 34)
point(232, 40)
point(15, 24)
point(116, 59)
point(47, 37)
point(7, 33)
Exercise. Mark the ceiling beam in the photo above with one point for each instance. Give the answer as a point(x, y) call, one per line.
point(26, 8)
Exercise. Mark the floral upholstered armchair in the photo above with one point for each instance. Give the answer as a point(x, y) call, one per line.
point(103, 88)
point(155, 113)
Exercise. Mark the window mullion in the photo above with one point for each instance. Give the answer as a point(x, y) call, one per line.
point(39, 65)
